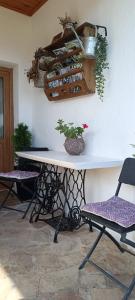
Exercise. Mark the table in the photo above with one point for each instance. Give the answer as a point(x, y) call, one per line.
point(63, 191)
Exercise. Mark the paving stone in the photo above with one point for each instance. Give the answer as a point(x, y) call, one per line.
point(67, 294)
point(106, 294)
point(32, 267)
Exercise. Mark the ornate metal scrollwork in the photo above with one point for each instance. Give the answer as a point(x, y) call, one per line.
point(74, 217)
point(59, 198)
point(48, 185)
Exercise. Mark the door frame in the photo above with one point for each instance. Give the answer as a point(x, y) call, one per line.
point(8, 119)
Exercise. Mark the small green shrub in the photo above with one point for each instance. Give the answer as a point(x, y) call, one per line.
point(22, 137)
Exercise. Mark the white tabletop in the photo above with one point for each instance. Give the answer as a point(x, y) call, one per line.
point(62, 159)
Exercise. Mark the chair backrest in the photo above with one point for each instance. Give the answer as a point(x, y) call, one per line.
point(127, 174)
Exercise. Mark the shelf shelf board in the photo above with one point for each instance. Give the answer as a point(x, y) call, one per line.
point(66, 85)
point(68, 37)
point(69, 73)
point(62, 57)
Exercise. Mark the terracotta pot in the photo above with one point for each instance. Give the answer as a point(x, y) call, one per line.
point(74, 146)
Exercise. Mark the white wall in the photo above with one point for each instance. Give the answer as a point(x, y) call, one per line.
point(111, 123)
point(16, 52)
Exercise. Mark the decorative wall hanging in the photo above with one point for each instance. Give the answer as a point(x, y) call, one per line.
point(73, 64)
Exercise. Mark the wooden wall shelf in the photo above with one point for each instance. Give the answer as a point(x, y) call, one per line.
point(83, 86)
point(64, 70)
point(61, 68)
point(78, 80)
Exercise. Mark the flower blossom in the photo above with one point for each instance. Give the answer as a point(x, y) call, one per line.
point(85, 126)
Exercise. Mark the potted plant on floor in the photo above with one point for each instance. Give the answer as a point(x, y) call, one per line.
point(74, 143)
point(22, 139)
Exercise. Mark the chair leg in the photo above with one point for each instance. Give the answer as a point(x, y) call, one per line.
point(28, 207)
point(108, 274)
point(6, 198)
point(90, 227)
point(117, 244)
point(86, 259)
point(11, 192)
point(129, 290)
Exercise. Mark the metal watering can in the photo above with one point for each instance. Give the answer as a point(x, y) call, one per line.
point(87, 44)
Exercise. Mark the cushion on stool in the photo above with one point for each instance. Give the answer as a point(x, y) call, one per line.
point(18, 175)
point(115, 209)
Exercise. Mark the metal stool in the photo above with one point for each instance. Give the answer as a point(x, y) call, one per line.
point(9, 179)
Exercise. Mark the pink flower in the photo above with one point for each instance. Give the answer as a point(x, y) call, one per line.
point(85, 126)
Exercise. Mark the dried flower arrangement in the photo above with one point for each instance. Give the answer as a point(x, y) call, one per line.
point(66, 20)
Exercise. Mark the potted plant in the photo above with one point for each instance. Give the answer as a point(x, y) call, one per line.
point(74, 143)
point(22, 137)
point(95, 47)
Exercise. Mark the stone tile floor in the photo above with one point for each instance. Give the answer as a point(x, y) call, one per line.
point(32, 267)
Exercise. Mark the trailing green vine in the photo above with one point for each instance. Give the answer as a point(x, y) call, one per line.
point(101, 64)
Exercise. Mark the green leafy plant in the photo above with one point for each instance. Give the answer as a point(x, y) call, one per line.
point(69, 130)
point(22, 137)
point(101, 64)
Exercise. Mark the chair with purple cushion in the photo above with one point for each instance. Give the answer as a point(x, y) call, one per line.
point(9, 179)
point(116, 214)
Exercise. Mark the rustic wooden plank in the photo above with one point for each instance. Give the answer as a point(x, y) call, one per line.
point(64, 92)
point(26, 7)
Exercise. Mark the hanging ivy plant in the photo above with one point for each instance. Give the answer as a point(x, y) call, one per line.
point(101, 64)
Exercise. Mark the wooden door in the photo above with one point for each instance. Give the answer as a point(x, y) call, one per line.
point(6, 119)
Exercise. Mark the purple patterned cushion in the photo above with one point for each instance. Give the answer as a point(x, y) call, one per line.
point(115, 209)
point(19, 175)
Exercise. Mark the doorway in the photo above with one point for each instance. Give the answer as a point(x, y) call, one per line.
point(6, 119)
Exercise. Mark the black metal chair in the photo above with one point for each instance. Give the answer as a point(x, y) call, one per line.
point(10, 179)
point(24, 191)
point(116, 214)
point(25, 178)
